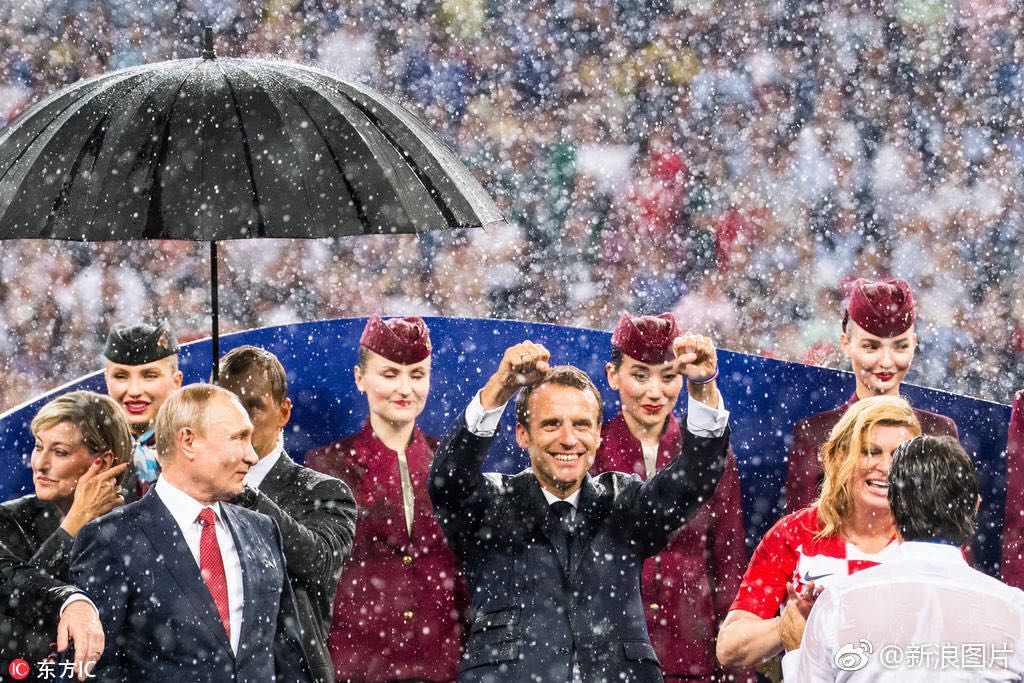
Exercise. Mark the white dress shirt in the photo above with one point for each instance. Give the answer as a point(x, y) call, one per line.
point(185, 510)
point(924, 616)
point(258, 472)
point(701, 419)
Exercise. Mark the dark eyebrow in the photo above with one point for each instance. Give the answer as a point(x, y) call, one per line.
point(551, 421)
point(582, 422)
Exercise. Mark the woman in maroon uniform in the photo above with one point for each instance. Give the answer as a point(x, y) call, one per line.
point(879, 339)
point(688, 587)
point(401, 598)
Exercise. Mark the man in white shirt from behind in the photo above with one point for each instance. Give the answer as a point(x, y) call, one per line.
point(925, 615)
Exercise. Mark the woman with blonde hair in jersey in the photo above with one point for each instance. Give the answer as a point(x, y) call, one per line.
point(849, 528)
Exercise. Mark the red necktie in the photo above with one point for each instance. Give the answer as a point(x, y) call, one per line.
point(211, 566)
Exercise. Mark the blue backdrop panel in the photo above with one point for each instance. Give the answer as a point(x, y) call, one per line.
point(766, 397)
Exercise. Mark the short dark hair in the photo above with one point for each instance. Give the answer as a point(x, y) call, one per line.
point(617, 358)
point(562, 375)
point(243, 359)
point(933, 490)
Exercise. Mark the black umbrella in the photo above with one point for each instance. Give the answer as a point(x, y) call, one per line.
point(216, 148)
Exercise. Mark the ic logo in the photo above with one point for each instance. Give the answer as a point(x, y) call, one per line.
point(853, 657)
point(19, 669)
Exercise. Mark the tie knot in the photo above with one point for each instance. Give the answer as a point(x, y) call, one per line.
point(207, 517)
point(563, 509)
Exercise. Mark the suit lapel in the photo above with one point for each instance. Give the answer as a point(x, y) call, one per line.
point(239, 533)
point(278, 476)
point(156, 522)
point(536, 514)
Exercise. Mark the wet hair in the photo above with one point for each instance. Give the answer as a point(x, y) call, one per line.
point(617, 357)
point(840, 455)
point(933, 490)
point(244, 359)
point(99, 420)
point(186, 407)
point(562, 375)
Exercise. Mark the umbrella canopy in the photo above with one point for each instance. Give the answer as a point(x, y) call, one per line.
point(213, 148)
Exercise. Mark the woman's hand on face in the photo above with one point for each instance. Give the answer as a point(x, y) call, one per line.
point(96, 494)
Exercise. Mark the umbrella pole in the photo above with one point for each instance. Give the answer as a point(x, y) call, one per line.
point(215, 336)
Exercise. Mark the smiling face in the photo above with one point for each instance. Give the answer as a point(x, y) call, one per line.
point(648, 393)
point(562, 434)
point(141, 389)
point(59, 458)
point(396, 393)
point(870, 490)
point(879, 363)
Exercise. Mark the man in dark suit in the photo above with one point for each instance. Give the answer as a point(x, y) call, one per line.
point(34, 598)
point(316, 513)
point(190, 588)
point(553, 556)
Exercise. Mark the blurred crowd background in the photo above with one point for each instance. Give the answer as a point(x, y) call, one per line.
point(735, 162)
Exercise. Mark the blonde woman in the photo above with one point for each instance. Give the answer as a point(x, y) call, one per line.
point(849, 528)
point(82, 449)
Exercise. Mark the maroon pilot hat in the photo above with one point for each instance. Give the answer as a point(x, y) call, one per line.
point(400, 340)
point(884, 308)
point(646, 338)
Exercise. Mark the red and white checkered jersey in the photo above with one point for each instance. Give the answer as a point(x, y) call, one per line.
point(790, 553)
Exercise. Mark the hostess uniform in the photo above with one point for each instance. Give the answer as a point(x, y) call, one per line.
point(687, 587)
point(140, 344)
point(401, 599)
point(884, 309)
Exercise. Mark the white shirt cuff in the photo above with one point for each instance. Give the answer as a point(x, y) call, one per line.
point(703, 420)
point(482, 422)
point(790, 664)
point(75, 598)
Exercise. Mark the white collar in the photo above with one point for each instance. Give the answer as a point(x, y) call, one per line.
point(184, 508)
point(573, 500)
point(944, 553)
point(258, 472)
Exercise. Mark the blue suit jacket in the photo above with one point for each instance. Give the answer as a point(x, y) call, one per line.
point(161, 623)
point(532, 605)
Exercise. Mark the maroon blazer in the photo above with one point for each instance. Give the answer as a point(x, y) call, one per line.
point(400, 603)
point(689, 586)
point(1012, 565)
point(804, 475)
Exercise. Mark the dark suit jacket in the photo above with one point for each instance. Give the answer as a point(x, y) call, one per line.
point(31, 604)
point(317, 517)
point(161, 623)
point(531, 605)
point(30, 531)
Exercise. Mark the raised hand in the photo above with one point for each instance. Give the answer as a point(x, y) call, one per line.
point(97, 493)
point(523, 364)
point(697, 361)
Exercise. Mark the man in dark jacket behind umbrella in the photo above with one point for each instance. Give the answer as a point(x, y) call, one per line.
point(315, 512)
point(552, 555)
